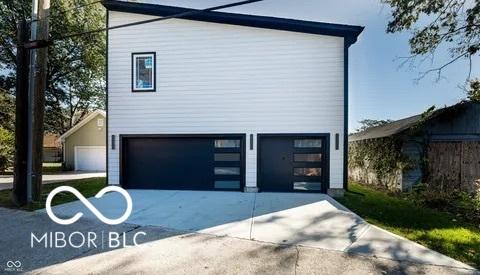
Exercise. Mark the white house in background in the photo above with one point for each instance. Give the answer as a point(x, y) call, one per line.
point(84, 144)
point(223, 101)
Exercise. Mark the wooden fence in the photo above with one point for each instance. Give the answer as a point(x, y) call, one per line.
point(454, 165)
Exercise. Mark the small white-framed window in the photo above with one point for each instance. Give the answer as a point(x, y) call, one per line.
point(143, 72)
point(100, 122)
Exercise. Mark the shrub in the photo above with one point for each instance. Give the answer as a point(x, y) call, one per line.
point(459, 203)
point(7, 149)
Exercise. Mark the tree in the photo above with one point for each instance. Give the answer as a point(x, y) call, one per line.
point(7, 110)
point(369, 123)
point(453, 24)
point(7, 148)
point(474, 91)
point(76, 68)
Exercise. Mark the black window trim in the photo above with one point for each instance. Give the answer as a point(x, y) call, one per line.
point(134, 90)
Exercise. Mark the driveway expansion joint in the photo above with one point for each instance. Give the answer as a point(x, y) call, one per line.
point(364, 230)
point(253, 214)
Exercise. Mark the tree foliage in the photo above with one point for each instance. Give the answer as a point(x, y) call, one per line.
point(76, 66)
point(7, 148)
point(454, 24)
point(474, 91)
point(369, 123)
point(7, 111)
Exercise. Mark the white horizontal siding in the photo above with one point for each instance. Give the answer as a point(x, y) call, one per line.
point(217, 78)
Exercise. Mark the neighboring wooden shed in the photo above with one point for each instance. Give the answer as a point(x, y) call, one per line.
point(443, 147)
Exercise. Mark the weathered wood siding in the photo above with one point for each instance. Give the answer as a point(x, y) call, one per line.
point(454, 165)
point(457, 124)
point(413, 150)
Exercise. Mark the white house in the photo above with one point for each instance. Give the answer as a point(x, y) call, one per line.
point(223, 101)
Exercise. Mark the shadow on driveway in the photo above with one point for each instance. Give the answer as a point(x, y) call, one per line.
point(312, 220)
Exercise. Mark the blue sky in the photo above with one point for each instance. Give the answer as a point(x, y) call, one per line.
point(378, 88)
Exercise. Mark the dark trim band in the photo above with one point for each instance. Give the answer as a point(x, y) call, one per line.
point(349, 32)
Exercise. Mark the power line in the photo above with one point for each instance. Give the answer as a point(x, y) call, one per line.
point(179, 15)
point(67, 10)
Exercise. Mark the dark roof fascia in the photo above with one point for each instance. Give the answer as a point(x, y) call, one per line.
point(349, 32)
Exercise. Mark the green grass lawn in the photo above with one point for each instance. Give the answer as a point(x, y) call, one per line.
point(87, 187)
point(437, 230)
point(52, 167)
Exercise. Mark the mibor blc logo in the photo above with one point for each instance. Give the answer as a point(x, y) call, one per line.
point(90, 239)
point(89, 205)
point(15, 266)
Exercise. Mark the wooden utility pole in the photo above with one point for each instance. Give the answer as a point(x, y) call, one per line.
point(36, 97)
point(21, 96)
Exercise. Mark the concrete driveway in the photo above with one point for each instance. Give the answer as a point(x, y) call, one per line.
point(6, 181)
point(307, 220)
point(165, 251)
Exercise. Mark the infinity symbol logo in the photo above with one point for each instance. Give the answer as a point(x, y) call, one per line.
point(16, 264)
point(92, 208)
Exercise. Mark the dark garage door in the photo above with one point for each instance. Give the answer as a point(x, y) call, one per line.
point(183, 162)
point(293, 163)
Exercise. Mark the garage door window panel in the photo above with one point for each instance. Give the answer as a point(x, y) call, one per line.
point(307, 143)
point(227, 143)
point(227, 157)
point(227, 171)
point(307, 172)
point(307, 157)
point(307, 186)
point(227, 184)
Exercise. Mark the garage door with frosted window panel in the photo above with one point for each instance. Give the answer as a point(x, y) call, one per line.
point(292, 163)
point(183, 162)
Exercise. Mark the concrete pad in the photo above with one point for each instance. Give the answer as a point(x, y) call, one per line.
point(220, 213)
point(319, 261)
point(381, 243)
point(17, 227)
point(185, 254)
point(112, 205)
point(206, 254)
point(313, 220)
point(308, 219)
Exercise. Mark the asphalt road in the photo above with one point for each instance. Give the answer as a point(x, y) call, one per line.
point(174, 252)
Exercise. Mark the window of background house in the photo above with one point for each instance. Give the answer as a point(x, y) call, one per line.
point(143, 72)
